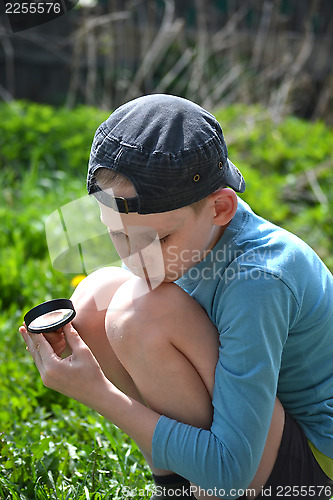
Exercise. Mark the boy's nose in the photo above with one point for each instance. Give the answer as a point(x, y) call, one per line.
point(141, 259)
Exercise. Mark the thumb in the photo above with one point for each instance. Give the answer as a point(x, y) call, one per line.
point(73, 339)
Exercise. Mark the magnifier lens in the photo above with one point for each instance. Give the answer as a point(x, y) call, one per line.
point(49, 316)
point(51, 319)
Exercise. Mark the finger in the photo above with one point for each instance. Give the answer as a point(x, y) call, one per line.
point(22, 329)
point(73, 339)
point(27, 338)
point(33, 346)
point(38, 346)
point(55, 338)
point(42, 346)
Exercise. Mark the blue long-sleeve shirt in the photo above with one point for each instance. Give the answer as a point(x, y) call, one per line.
point(271, 298)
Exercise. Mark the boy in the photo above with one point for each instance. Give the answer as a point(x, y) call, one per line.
point(191, 372)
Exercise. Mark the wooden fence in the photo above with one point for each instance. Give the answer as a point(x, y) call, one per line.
point(275, 52)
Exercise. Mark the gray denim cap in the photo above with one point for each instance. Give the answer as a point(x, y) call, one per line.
point(171, 149)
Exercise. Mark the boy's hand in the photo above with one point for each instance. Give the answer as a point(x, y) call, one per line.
point(78, 376)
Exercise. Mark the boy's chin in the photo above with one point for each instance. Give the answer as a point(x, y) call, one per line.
point(156, 280)
point(169, 280)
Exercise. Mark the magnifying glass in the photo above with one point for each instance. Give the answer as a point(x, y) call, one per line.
point(49, 316)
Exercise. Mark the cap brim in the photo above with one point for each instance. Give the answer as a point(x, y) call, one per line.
point(234, 178)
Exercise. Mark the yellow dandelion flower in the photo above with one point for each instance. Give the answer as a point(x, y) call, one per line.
point(77, 279)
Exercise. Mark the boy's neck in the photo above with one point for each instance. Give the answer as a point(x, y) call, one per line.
point(217, 233)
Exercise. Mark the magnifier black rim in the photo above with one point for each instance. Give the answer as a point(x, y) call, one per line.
point(46, 307)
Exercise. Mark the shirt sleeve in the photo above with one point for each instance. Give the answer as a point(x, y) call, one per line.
point(253, 315)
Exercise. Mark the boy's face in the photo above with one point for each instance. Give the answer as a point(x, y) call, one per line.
point(162, 246)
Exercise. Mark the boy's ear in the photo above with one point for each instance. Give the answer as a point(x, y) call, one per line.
point(225, 205)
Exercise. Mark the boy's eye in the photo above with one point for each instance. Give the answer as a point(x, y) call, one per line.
point(164, 239)
point(114, 234)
